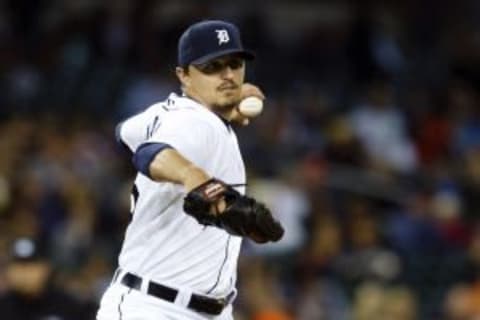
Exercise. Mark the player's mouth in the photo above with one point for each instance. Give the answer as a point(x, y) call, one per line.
point(228, 91)
point(228, 87)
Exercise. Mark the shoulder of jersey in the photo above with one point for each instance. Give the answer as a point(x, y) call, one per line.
point(173, 103)
point(177, 107)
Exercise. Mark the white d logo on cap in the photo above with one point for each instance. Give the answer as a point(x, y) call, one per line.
point(222, 36)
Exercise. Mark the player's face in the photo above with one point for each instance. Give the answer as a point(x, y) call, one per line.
point(216, 83)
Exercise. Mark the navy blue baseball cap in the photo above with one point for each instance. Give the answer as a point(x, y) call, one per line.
point(210, 39)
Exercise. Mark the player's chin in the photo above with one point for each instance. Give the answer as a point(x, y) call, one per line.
point(228, 102)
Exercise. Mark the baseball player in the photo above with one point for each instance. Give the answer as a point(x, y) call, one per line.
point(189, 211)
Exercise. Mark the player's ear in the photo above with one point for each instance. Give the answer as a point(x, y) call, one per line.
point(183, 76)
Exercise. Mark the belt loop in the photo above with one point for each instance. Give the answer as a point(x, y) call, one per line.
point(231, 296)
point(183, 297)
point(116, 275)
point(145, 284)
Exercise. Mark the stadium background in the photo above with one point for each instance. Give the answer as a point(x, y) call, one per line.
point(368, 150)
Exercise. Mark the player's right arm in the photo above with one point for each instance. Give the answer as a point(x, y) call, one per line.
point(169, 165)
point(177, 151)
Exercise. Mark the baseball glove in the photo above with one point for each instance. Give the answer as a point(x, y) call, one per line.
point(242, 216)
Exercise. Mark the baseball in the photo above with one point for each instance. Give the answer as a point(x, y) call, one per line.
point(250, 106)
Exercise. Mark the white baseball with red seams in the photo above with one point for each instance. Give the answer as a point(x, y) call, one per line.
point(251, 106)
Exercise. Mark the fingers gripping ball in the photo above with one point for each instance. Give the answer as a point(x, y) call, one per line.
point(243, 216)
point(250, 106)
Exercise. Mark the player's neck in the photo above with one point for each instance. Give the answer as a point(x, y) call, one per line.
point(196, 98)
point(225, 113)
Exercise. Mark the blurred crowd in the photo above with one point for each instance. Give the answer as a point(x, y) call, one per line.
point(368, 149)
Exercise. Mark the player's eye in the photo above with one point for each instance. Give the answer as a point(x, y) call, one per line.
point(234, 63)
point(216, 66)
point(211, 67)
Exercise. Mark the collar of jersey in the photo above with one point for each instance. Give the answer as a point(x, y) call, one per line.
point(189, 102)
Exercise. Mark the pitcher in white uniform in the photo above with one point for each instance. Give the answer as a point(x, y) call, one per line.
point(171, 266)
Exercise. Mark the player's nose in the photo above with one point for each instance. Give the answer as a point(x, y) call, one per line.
point(227, 73)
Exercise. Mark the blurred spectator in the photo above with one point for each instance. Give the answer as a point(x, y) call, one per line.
point(290, 207)
point(470, 182)
point(323, 299)
point(400, 304)
point(365, 249)
point(411, 230)
point(462, 303)
point(381, 127)
point(263, 297)
point(367, 302)
point(89, 279)
point(447, 209)
point(24, 87)
point(434, 138)
point(464, 99)
point(31, 294)
point(343, 146)
point(322, 250)
point(377, 302)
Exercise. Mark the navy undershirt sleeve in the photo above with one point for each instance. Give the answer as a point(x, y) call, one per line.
point(145, 154)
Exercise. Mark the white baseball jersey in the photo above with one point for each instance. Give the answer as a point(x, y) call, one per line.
point(162, 243)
